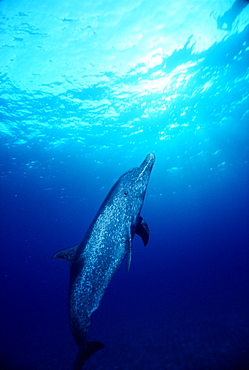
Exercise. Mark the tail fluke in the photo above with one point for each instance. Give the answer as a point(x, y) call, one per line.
point(85, 352)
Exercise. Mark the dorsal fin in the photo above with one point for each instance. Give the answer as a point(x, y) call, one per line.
point(66, 254)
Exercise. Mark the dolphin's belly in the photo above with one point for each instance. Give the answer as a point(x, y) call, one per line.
point(89, 286)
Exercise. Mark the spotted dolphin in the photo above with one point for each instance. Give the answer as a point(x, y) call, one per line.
point(95, 260)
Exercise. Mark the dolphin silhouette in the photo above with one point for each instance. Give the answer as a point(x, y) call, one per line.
point(95, 260)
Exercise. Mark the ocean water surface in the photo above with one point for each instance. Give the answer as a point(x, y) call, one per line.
point(87, 90)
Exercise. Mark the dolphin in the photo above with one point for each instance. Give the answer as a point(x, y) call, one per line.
point(106, 243)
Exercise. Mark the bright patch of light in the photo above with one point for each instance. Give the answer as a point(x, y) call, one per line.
point(206, 86)
point(163, 82)
point(156, 59)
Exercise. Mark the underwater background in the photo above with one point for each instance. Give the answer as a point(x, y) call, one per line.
point(87, 90)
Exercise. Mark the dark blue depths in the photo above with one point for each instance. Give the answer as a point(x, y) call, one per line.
point(183, 305)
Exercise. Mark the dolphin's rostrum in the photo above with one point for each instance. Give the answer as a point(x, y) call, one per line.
point(95, 260)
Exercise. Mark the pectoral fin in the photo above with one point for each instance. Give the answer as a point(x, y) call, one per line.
point(142, 230)
point(66, 254)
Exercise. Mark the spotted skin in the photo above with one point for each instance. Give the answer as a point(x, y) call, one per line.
point(107, 242)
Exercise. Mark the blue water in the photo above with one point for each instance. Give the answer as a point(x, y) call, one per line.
point(88, 89)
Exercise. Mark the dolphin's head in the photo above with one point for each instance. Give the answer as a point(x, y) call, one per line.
point(132, 185)
point(139, 177)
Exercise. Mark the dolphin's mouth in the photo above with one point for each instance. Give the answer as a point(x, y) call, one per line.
point(148, 162)
point(150, 159)
point(147, 165)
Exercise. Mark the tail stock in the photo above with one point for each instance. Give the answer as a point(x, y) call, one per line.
point(85, 352)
